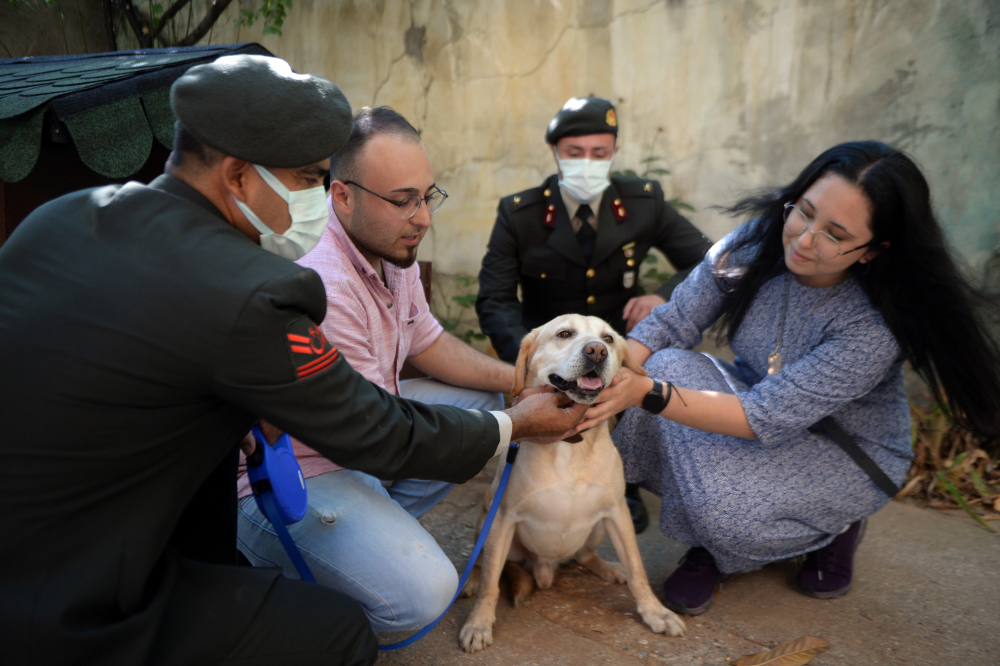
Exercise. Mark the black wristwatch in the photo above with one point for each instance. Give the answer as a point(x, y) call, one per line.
point(655, 401)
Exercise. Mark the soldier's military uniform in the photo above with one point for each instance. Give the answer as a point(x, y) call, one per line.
point(141, 335)
point(533, 244)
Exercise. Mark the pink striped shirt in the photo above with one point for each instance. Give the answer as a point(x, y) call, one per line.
point(375, 326)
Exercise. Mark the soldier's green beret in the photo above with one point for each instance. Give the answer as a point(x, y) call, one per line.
point(257, 109)
point(583, 115)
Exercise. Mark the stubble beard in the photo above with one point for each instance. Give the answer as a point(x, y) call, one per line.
point(360, 220)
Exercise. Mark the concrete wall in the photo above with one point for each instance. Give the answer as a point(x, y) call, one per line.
point(734, 94)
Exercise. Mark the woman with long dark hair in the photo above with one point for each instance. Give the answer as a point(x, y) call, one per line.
point(836, 280)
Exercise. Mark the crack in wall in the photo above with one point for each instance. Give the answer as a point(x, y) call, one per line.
point(545, 56)
point(388, 75)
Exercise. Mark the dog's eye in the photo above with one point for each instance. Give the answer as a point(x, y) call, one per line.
point(564, 334)
point(609, 339)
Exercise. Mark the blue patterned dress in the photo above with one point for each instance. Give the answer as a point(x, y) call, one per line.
point(750, 502)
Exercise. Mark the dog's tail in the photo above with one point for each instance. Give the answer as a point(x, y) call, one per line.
point(520, 582)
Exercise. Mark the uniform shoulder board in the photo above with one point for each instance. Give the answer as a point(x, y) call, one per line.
point(636, 187)
point(522, 200)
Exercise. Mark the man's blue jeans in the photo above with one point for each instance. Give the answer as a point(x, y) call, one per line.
point(364, 540)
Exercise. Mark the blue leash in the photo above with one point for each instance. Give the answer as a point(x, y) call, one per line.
point(511, 454)
point(271, 511)
point(265, 496)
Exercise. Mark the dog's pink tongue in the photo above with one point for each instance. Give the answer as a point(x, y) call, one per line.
point(590, 383)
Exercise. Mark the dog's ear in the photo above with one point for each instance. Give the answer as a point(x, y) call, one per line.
point(627, 359)
point(528, 346)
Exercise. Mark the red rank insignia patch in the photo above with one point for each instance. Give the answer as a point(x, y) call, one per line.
point(308, 348)
point(550, 216)
point(619, 210)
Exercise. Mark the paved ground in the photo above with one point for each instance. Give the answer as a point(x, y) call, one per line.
point(927, 591)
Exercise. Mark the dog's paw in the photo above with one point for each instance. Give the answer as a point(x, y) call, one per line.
point(664, 621)
point(474, 638)
point(470, 587)
point(615, 573)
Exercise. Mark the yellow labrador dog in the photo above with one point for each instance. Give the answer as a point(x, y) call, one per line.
point(562, 497)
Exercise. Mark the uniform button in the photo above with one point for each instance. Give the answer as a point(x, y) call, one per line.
point(591, 272)
point(517, 200)
point(547, 193)
point(630, 262)
point(591, 300)
point(618, 202)
point(543, 275)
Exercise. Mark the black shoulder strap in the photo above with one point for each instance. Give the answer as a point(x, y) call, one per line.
point(863, 460)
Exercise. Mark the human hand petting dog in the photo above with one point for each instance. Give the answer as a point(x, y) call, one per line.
point(627, 389)
point(544, 416)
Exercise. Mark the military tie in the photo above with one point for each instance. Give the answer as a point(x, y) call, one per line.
point(586, 235)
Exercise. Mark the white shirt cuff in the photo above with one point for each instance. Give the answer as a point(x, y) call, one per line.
point(506, 428)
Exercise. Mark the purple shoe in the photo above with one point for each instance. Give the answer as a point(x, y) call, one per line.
point(691, 587)
point(827, 572)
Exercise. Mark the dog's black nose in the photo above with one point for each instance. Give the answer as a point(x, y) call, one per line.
point(595, 351)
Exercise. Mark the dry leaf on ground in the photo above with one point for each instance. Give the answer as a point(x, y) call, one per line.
point(790, 653)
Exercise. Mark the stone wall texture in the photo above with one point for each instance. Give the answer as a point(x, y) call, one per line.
point(733, 94)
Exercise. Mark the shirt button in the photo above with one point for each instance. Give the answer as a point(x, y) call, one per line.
point(591, 300)
point(543, 275)
point(390, 305)
point(591, 272)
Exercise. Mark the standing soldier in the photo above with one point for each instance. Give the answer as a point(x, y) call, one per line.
point(576, 242)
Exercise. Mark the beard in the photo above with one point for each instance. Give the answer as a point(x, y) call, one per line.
point(380, 247)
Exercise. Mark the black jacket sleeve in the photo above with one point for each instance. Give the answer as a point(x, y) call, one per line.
point(679, 240)
point(332, 408)
point(497, 306)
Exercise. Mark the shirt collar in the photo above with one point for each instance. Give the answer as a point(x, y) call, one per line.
point(572, 205)
point(177, 187)
point(348, 247)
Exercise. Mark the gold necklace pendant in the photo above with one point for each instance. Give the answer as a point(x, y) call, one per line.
point(773, 362)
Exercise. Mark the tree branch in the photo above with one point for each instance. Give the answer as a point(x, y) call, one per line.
point(206, 23)
point(169, 14)
point(140, 29)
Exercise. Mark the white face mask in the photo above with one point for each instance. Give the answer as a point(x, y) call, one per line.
point(309, 216)
point(584, 180)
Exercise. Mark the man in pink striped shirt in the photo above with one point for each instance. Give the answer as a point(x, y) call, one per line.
point(359, 537)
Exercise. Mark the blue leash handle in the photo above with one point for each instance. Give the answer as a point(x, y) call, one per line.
point(511, 454)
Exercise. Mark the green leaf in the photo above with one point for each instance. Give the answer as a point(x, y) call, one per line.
point(479, 336)
point(630, 173)
point(271, 31)
point(157, 9)
point(652, 159)
point(657, 172)
point(466, 301)
point(681, 205)
point(957, 461)
point(957, 496)
point(448, 325)
point(618, 174)
point(979, 484)
point(651, 259)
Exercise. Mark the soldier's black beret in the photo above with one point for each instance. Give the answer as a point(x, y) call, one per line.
point(583, 115)
point(257, 109)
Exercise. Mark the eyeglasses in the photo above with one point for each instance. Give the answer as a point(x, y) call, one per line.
point(824, 245)
point(409, 205)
